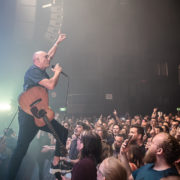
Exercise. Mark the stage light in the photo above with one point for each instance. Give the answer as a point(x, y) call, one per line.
point(46, 5)
point(63, 109)
point(5, 107)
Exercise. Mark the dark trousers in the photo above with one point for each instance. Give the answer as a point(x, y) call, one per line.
point(27, 131)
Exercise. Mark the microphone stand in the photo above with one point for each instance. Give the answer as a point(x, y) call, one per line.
point(67, 94)
point(3, 137)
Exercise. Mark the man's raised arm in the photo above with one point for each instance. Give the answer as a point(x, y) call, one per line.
point(123, 158)
point(52, 51)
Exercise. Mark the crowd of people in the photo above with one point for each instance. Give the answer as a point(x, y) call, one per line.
point(109, 147)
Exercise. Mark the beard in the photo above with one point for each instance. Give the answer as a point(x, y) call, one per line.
point(150, 157)
point(133, 142)
point(117, 148)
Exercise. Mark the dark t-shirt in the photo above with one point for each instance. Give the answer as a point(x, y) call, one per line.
point(73, 152)
point(33, 76)
point(148, 173)
point(85, 169)
point(142, 149)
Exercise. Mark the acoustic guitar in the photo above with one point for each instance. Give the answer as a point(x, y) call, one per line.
point(34, 102)
point(36, 98)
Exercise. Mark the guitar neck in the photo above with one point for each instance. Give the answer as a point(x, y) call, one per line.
point(62, 147)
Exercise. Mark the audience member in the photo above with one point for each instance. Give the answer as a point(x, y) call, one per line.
point(162, 153)
point(75, 143)
point(118, 140)
point(111, 169)
point(106, 148)
point(137, 134)
point(89, 158)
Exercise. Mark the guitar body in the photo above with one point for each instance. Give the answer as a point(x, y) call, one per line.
point(36, 96)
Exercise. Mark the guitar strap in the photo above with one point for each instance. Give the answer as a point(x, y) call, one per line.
point(42, 114)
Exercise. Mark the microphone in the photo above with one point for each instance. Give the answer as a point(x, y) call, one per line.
point(63, 73)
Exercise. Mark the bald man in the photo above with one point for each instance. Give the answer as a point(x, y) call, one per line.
point(36, 76)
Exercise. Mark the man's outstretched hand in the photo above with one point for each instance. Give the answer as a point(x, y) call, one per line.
point(61, 37)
